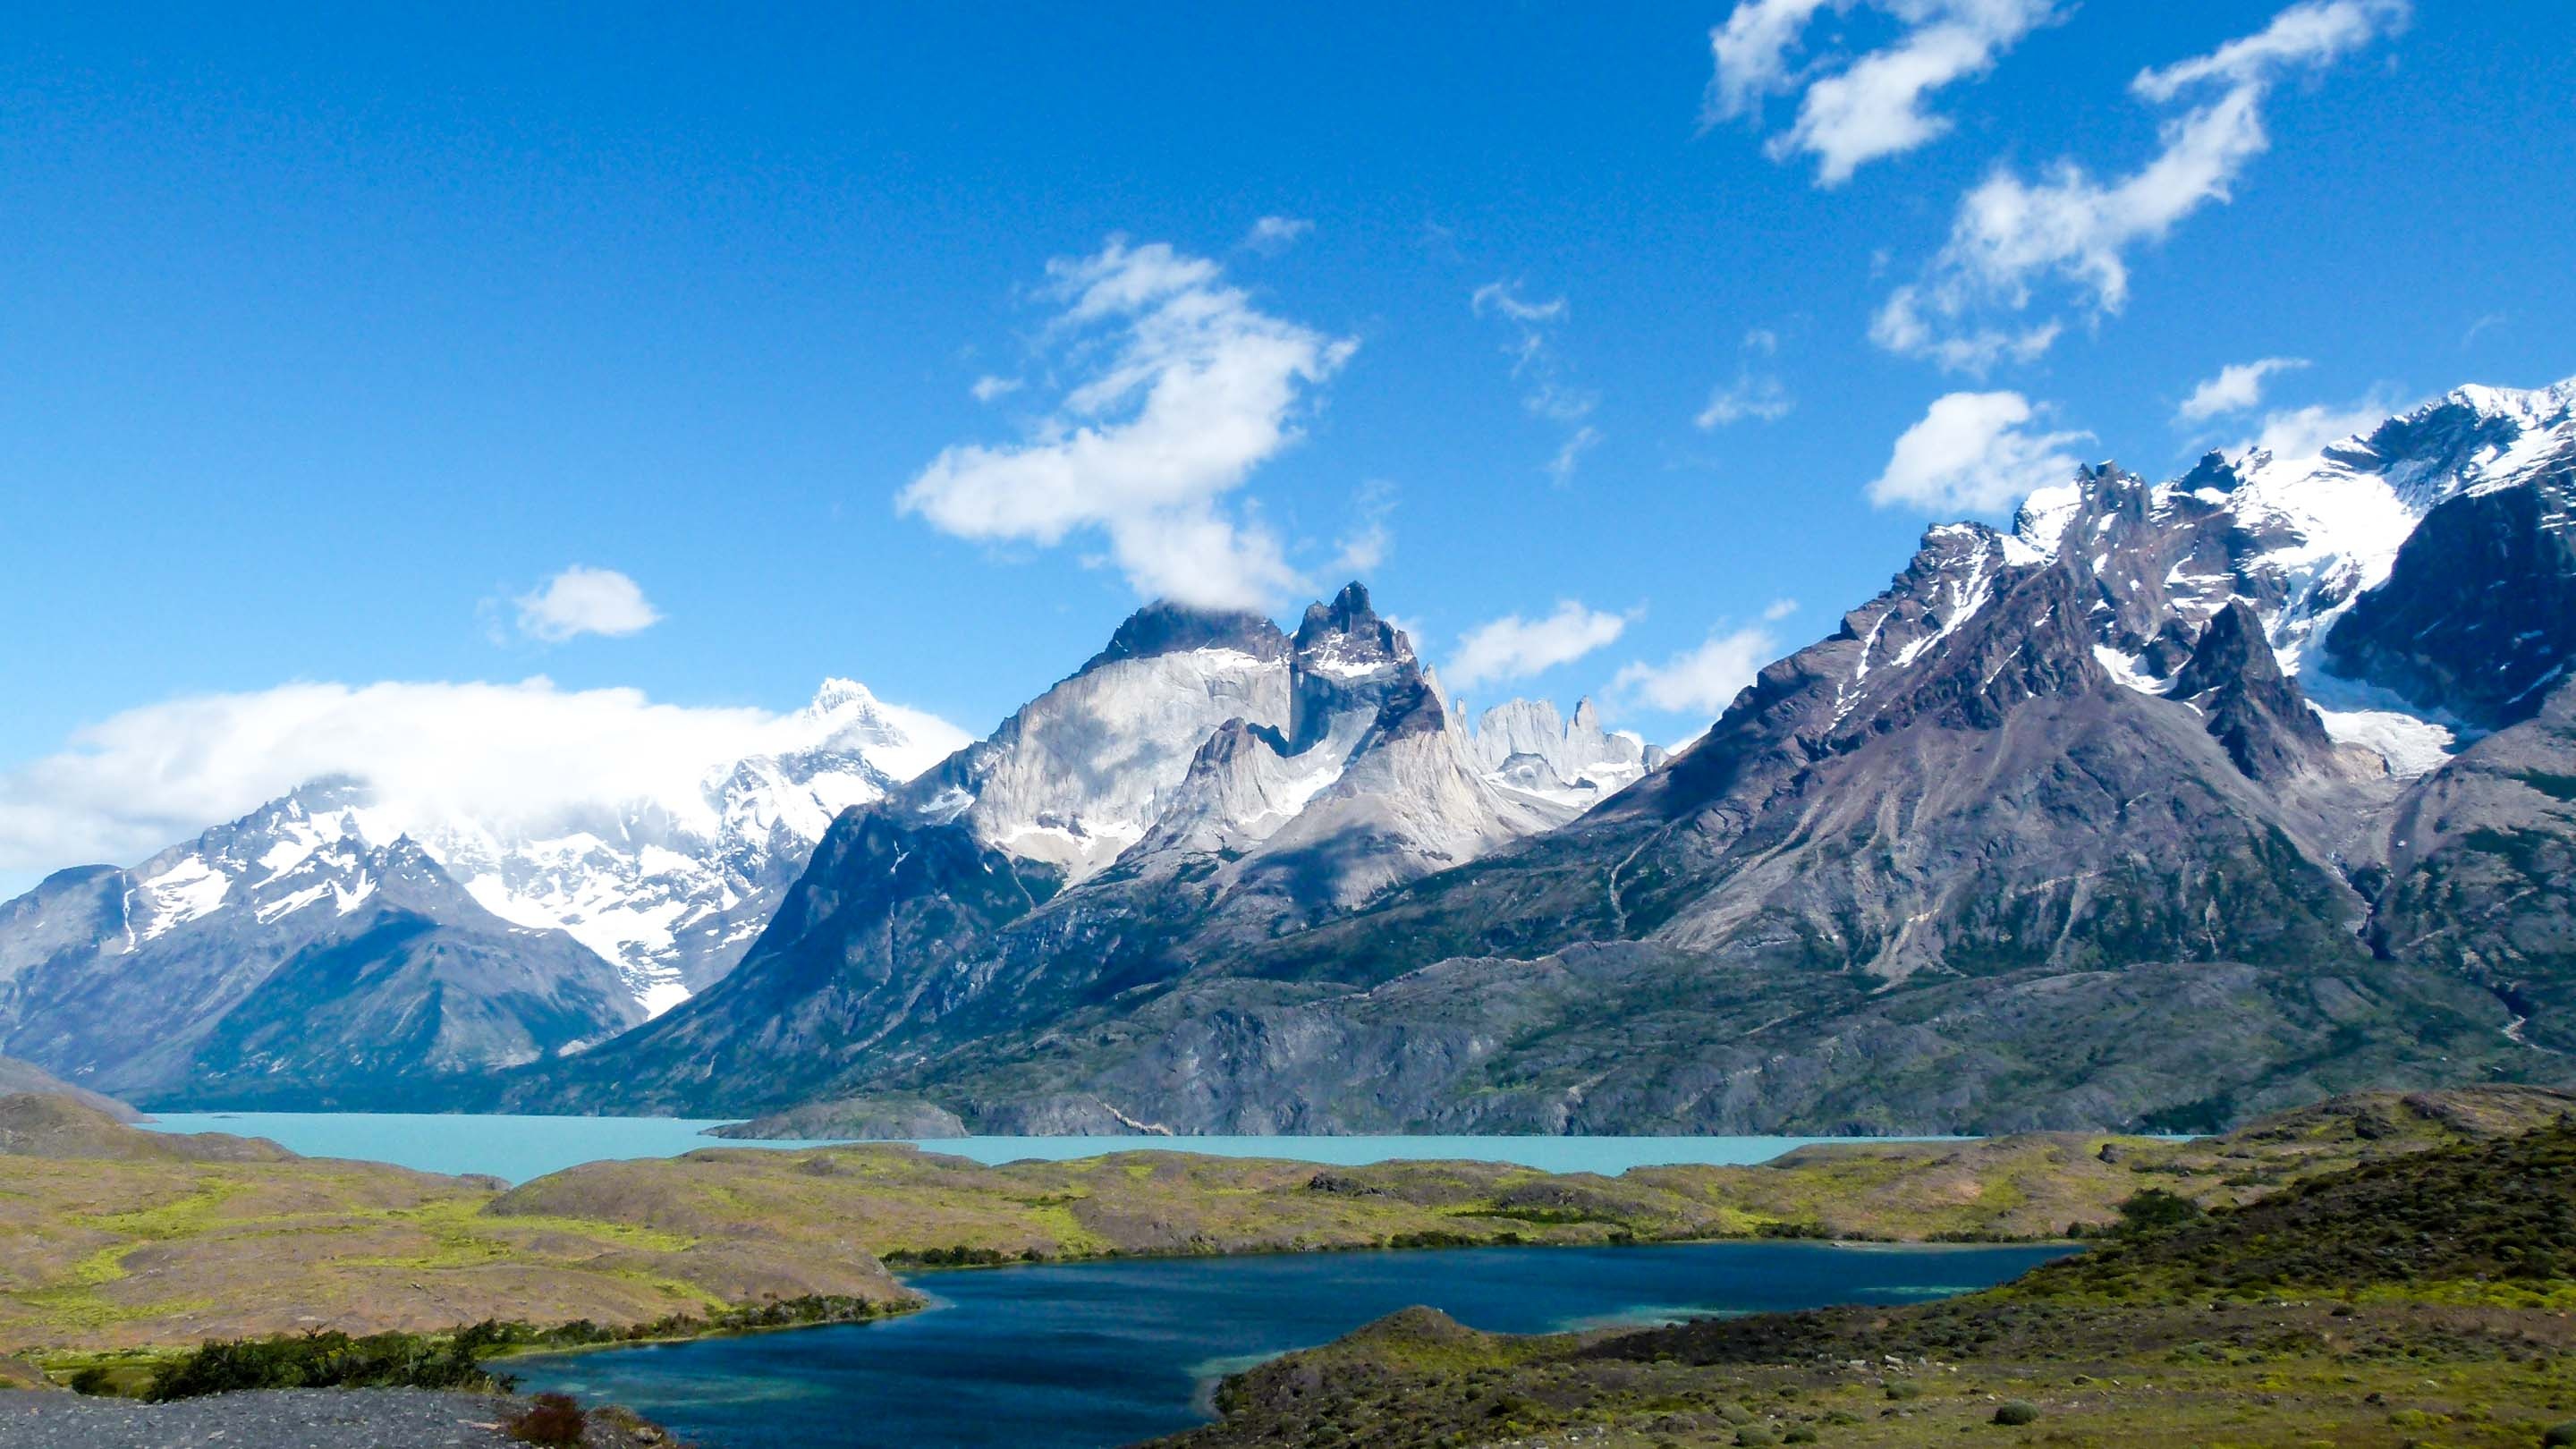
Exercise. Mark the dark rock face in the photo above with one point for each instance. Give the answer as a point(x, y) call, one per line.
point(2478, 617)
point(2253, 709)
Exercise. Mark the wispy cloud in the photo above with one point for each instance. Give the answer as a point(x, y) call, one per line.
point(1272, 235)
point(2237, 387)
point(584, 600)
point(989, 387)
point(1974, 305)
point(1181, 388)
point(1546, 390)
point(1974, 452)
point(1855, 110)
point(1756, 392)
point(1512, 647)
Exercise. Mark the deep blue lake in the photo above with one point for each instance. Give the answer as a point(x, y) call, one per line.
point(1082, 1356)
point(518, 1148)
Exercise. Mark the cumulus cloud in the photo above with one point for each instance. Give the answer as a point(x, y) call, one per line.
point(2237, 387)
point(1546, 391)
point(583, 600)
point(2305, 432)
point(525, 754)
point(1181, 388)
point(1512, 647)
point(1857, 110)
point(1757, 392)
point(2011, 236)
point(1974, 452)
point(1272, 235)
point(1703, 680)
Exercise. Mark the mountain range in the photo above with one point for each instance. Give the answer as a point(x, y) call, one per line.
point(2173, 803)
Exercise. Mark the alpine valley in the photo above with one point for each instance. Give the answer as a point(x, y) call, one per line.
point(2176, 803)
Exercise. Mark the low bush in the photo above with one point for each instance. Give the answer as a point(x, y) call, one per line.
point(552, 1421)
point(2016, 1413)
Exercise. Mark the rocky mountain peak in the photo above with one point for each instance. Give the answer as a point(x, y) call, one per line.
point(1349, 629)
point(2249, 705)
point(1164, 627)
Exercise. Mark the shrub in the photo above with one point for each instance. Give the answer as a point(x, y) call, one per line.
point(2017, 1412)
point(324, 1360)
point(1904, 1389)
point(93, 1380)
point(2560, 1436)
point(2156, 1210)
point(551, 1420)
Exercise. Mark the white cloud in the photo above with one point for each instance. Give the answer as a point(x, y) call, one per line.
point(1702, 680)
point(1184, 388)
point(2011, 235)
point(1755, 393)
point(1512, 647)
point(521, 753)
point(1974, 452)
point(2238, 386)
point(1874, 106)
point(1272, 235)
point(1779, 609)
point(583, 600)
point(988, 387)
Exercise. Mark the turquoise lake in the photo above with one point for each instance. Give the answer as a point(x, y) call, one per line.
point(1081, 1356)
point(519, 1148)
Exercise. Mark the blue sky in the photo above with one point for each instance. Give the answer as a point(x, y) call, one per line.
point(332, 339)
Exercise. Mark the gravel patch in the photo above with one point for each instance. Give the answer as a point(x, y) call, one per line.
point(273, 1419)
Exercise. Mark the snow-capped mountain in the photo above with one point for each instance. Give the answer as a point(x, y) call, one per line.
point(672, 891)
point(2303, 541)
point(1203, 783)
point(620, 908)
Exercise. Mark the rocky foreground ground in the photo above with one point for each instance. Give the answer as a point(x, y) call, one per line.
point(294, 1419)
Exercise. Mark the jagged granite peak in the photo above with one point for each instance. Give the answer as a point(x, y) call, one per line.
point(1526, 745)
point(1165, 627)
point(1348, 629)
